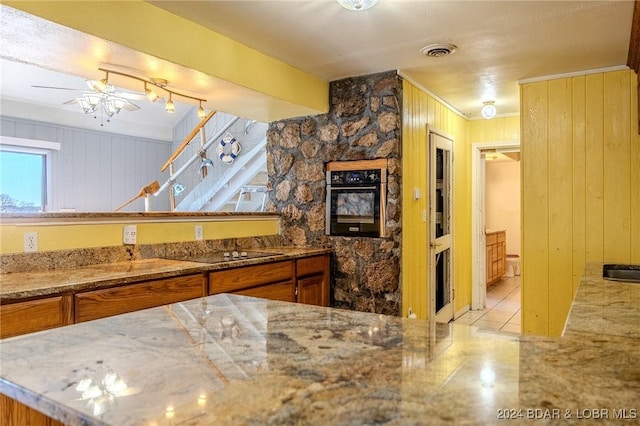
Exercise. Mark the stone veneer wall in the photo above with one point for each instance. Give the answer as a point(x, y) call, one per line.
point(364, 122)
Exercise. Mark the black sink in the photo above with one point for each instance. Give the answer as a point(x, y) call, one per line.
point(629, 273)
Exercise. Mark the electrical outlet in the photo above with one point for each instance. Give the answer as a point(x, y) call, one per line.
point(30, 242)
point(199, 233)
point(130, 234)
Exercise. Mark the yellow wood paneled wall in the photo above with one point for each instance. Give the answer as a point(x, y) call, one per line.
point(420, 110)
point(498, 129)
point(580, 187)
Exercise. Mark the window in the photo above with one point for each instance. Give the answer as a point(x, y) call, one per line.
point(23, 181)
point(24, 174)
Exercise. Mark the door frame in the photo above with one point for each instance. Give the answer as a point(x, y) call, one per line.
point(478, 239)
point(431, 222)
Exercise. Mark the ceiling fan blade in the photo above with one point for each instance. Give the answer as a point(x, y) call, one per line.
point(130, 96)
point(57, 88)
point(71, 102)
point(130, 106)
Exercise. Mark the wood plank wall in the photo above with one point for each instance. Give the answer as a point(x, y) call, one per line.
point(96, 171)
point(419, 110)
point(580, 186)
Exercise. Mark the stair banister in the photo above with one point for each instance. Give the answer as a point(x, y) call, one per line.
point(184, 167)
point(186, 141)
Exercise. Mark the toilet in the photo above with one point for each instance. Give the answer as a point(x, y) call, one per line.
point(512, 267)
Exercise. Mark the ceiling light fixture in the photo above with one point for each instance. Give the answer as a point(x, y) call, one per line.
point(170, 107)
point(149, 92)
point(201, 112)
point(101, 85)
point(357, 4)
point(488, 110)
point(151, 95)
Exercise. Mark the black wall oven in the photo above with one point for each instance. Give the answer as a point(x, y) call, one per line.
point(356, 198)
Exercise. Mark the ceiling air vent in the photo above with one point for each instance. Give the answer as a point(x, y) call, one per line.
point(438, 50)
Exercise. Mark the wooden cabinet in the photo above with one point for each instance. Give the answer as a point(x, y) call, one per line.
point(496, 255)
point(305, 280)
point(96, 304)
point(312, 275)
point(275, 278)
point(35, 315)
point(15, 413)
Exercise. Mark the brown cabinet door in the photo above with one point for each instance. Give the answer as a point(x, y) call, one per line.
point(313, 275)
point(244, 277)
point(313, 290)
point(35, 315)
point(279, 291)
point(119, 300)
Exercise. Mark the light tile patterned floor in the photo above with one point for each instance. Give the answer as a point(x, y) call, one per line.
point(502, 312)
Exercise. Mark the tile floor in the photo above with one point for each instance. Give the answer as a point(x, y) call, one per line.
point(502, 312)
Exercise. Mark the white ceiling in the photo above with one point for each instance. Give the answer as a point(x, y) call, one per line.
point(499, 43)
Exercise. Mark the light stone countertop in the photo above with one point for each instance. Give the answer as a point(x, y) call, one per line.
point(23, 285)
point(604, 307)
point(235, 360)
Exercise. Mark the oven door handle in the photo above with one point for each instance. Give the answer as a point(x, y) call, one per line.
point(334, 188)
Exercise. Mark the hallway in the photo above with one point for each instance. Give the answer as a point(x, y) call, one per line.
point(502, 312)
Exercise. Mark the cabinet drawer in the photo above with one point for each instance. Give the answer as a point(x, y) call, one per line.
point(312, 265)
point(35, 315)
point(492, 238)
point(119, 300)
point(230, 280)
point(501, 236)
point(284, 291)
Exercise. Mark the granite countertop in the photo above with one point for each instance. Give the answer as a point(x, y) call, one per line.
point(230, 360)
point(23, 285)
point(604, 307)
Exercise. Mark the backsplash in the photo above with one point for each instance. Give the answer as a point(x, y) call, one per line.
point(364, 122)
point(27, 262)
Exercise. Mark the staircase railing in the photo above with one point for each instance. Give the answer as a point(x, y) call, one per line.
point(187, 140)
point(218, 192)
point(173, 175)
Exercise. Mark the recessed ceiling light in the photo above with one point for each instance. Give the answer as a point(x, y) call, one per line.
point(438, 50)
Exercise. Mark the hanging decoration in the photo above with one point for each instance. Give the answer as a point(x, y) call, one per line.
point(228, 139)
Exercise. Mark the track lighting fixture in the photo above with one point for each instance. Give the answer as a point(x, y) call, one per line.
point(103, 85)
point(170, 107)
point(201, 112)
point(151, 95)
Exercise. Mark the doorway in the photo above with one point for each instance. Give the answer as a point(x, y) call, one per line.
point(479, 216)
point(441, 225)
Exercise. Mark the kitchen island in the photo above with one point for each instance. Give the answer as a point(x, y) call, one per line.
point(229, 360)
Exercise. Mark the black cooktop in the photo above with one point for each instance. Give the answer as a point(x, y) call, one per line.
point(223, 256)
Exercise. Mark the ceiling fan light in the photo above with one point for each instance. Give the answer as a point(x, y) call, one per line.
point(109, 108)
point(85, 105)
point(357, 4)
point(93, 100)
point(170, 107)
point(488, 110)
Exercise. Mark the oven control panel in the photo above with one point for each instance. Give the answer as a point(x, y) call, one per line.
point(356, 177)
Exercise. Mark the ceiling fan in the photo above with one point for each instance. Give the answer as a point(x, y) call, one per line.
point(101, 96)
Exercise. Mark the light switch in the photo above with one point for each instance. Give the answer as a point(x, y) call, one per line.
point(417, 193)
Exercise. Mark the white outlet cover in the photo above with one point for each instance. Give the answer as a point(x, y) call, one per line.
point(199, 233)
point(30, 242)
point(130, 234)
